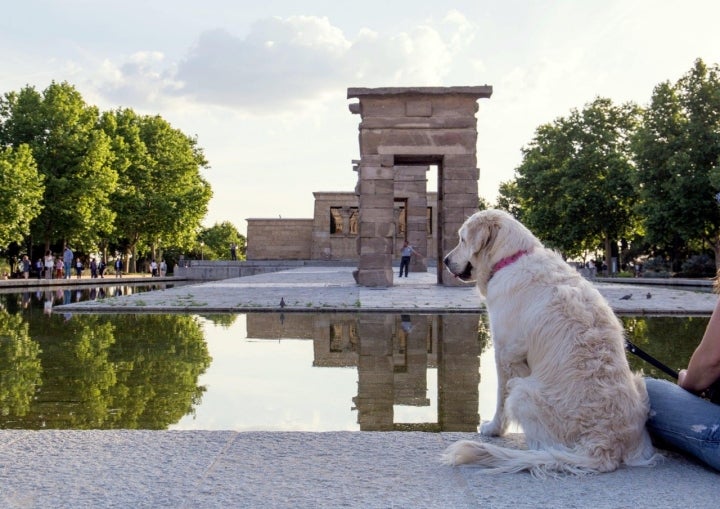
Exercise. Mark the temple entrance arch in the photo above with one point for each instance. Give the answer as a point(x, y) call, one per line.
point(403, 132)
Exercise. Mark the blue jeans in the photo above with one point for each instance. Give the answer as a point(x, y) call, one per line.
point(68, 269)
point(685, 422)
point(404, 264)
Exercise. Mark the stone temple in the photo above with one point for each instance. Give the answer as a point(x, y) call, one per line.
point(404, 132)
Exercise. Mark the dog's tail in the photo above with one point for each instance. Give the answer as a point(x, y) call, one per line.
point(539, 463)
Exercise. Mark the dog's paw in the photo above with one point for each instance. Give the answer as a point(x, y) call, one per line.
point(491, 429)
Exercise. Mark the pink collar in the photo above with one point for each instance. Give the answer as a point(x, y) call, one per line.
point(508, 261)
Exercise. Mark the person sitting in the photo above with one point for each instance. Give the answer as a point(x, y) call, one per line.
point(680, 417)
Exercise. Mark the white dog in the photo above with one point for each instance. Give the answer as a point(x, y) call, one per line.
point(559, 352)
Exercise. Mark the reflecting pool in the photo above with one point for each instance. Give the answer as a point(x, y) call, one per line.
point(263, 371)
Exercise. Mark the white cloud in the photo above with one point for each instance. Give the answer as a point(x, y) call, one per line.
point(287, 62)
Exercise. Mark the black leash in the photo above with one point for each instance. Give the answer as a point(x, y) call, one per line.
point(650, 359)
point(712, 393)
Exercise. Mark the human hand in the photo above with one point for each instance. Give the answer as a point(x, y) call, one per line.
point(681, 377)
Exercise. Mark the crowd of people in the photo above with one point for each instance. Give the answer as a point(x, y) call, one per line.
point(64, 265)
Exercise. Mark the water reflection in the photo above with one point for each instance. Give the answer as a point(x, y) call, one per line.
point(155, 371)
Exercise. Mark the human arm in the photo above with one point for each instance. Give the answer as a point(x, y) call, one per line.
point(704, 367)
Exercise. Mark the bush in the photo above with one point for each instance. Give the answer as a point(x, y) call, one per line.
point(697, 266)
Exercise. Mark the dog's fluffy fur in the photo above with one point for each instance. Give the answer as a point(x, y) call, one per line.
point(559, 352)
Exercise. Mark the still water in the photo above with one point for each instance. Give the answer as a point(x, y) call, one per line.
point(262, 371)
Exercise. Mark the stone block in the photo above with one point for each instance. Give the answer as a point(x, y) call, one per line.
point(460, 173)
point(375, 277)
point(468, 160)
point(376, 246)
point(376, 215)
point(462, 200)
point(366, 172)
point(376, 201)
point(456, 186)
point(418, 108)
point(374, 261)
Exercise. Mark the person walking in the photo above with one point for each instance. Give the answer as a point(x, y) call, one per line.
point(67, 261)
point(93, 268)
point(39, 267)
point(118, 267)
point(78, 267)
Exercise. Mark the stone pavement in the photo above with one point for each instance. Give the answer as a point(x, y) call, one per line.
point(334, 289)
point(229, 469)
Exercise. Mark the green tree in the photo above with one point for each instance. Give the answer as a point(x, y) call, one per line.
point(217, 240)
point(677, 150)
point(71, 153)
point(21, 191)
point(162, 197)
point(509, 199)
point(574, 185)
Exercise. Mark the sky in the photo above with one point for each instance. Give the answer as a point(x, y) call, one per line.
point(263, 85)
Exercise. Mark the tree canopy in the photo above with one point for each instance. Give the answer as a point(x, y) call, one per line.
point(21, 191)
point(73, 175)
point(73, 156)
point(574, 187)
point(677, 149)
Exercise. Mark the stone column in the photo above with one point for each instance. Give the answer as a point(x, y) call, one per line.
point(376, 225)
point(457, 201)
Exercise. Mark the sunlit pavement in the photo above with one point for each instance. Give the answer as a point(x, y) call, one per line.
point(334, 289)
point(228, 469)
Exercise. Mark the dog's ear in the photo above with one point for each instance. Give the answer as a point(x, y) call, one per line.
point(483, 235)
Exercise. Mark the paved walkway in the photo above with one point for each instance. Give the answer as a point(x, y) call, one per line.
point(334, 289)
point(228, 469)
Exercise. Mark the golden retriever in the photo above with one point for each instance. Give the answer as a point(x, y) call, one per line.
point(560, 359)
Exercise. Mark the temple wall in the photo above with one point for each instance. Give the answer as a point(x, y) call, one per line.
point(279, 239)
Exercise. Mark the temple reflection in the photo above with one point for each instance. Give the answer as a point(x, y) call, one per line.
point(392, 354)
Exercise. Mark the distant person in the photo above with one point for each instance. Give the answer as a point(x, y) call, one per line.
point(405, 255)
point(101, 268)
point(67, 261)
point(49, 263)
point(153, 268)
point(233, 251)
point(59, 267)
point(93, 268)
point(78, 267)
point(163, 268)
point(118, 267)
point(25, 266)
point(39, 267)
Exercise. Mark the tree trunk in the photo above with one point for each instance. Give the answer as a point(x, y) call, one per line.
point(608, 255)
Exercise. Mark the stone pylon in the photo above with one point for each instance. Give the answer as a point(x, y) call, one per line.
point(424, 126)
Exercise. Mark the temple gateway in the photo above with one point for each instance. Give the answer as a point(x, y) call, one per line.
point(404, 132)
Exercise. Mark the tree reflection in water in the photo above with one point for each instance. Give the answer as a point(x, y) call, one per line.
point(102, 371)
